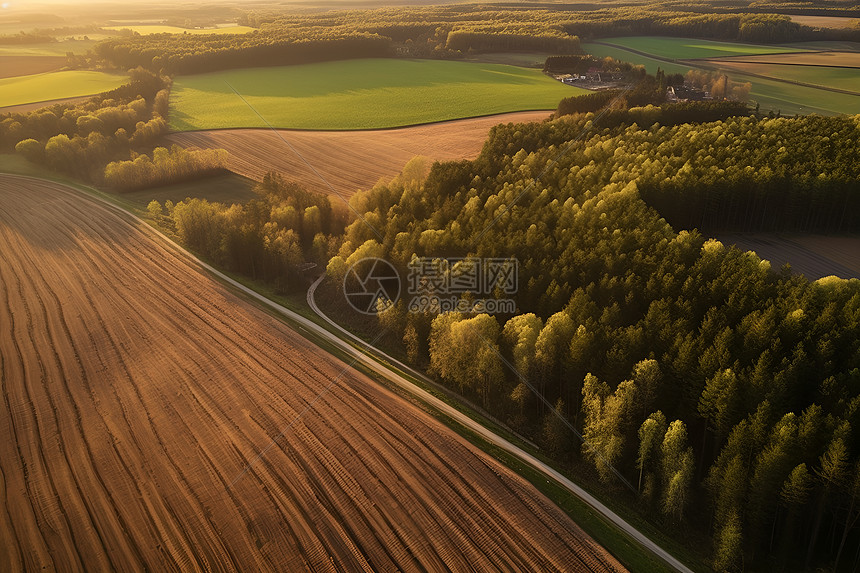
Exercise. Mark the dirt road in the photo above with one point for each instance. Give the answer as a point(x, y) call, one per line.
point(138, 394)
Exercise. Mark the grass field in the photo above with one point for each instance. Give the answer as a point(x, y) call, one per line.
point(842, 78)
point(229, 188)
point(689, 49)
point(771, 95)
point(521, 59)
point(145, 29)
point(55, 85)
point(359, 94)
point(793, 99)
point(48, 48)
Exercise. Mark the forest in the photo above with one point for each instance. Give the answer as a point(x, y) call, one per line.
point(721, 391)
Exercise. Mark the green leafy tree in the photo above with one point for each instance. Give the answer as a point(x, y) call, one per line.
point(677, 470)
point(651, 435)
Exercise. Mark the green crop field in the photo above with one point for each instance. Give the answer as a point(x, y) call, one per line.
point(688, 49)
point(144, 29)
point(359, 94)
point(841, 78)
point(55, 85)
point(771, 95)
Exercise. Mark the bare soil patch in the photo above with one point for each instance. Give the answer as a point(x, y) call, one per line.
point(13, 66)
point(814, 256)
point(825, 21)
point(152, 420)
point(348, 160)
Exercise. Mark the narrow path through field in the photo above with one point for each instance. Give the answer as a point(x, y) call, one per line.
point(137, 394)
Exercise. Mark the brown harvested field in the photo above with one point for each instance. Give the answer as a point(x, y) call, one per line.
point(25, 107)
point(13, 66)
point(830, 59)
point(152, 420)
point(815, 256)
point(348, 160)
point(825, 21)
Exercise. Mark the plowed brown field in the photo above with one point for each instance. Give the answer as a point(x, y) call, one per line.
point(815, 256)
point(152, 420)
point(12, 66)
point(348, 160)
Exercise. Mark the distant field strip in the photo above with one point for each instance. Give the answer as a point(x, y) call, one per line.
point(359, 94)
point(771, 94)
point(825, 21)
point(826, 59)
point(814, 256)
point(56, 85)
point(840, 78)
point(48, 48)
point(12, 66)
point(349, 160)
point(139, 394)
point(145, 29)
point(690, 49)
point(27, 107)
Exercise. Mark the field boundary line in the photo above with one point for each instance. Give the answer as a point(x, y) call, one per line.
point(795, 64)
point(306, 162)
point(369, 129)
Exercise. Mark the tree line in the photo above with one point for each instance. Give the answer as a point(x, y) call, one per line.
point(164, 166)
point(432, 31)
point(109, 139)
point(269, 238)
point(580, 64)
point(187, 54)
